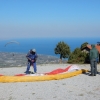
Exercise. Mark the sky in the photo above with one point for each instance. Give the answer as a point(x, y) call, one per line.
point(49, 18)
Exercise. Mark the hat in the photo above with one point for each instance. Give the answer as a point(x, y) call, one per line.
point(33, 50)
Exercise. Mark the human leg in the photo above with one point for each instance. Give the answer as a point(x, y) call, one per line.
point(35, 68)
point(95, 68)
point(92, 67)
point(28, 68)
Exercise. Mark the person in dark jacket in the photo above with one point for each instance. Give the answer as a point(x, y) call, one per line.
point(94, 55)
point(32, 57)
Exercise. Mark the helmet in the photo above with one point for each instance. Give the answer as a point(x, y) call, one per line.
point(33, 50)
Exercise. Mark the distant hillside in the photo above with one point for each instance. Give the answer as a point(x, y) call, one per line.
point(19, 59)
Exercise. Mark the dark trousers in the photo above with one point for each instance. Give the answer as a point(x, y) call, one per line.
point(34, 66)
point(93, 64)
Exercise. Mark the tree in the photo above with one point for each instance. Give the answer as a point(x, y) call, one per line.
point(63, 49)
point(84, 45)
point(77, 56)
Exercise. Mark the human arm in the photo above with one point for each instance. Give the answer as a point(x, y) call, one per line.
point(28, 56)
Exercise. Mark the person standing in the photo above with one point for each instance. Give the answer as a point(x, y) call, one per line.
point(94, 55)
point(32, 57)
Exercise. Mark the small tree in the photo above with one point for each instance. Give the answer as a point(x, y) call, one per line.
point(77, 56)
point(84, 45)
point(63, 49)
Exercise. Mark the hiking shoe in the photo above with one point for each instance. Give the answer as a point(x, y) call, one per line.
point(32, 73)
point(27, 72)
point(91, 75)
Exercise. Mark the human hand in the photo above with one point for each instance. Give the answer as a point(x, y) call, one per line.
point(32, 60)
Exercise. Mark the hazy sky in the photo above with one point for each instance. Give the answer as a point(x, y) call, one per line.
point(49, 18)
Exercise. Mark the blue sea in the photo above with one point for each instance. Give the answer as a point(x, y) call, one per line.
point(43, 45)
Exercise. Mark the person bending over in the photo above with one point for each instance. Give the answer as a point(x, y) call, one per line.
point(32, 57)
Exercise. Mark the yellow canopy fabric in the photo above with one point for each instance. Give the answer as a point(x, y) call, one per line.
point(9, 79)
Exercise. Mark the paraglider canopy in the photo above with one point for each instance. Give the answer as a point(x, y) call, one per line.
point(11, 42)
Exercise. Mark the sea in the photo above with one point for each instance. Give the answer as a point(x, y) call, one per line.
point(43, 46)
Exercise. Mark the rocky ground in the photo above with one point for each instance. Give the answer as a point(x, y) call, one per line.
point(80, 87)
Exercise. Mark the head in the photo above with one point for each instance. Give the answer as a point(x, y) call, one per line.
point(93, 46)
point(33, 51)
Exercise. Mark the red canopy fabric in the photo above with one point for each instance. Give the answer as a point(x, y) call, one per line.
point(57, 71)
